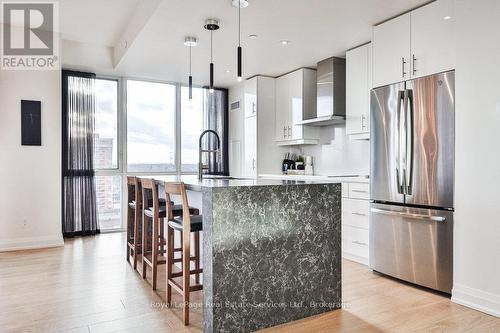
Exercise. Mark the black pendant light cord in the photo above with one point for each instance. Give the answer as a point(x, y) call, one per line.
point(239, 23)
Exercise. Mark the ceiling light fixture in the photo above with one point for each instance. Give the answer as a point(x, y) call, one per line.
point(211, 25)
point(284, 42)
point(240, 4)
point(190, 41)
point(252, 36)
point(228, 71)
point(447, 17)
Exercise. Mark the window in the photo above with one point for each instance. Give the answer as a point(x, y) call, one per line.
point(109, 201)
point(192, 112)
point(106, 124)
point(150, 126)
point(108, 179)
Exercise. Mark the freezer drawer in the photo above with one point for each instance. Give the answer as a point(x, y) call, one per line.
point(412, 244)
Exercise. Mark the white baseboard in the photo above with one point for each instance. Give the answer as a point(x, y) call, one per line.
point(30, 243)
point(353, 257)
point(476, 299)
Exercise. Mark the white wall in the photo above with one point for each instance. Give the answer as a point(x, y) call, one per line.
point(337, 154)
point(477, 217)
point(30, 200)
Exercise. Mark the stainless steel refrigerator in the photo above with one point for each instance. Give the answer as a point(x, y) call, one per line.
point(412, 180)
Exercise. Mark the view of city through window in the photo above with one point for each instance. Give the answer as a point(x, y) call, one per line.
point(150, 126)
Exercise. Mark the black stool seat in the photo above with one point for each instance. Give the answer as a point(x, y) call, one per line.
point(162, 211)
point(196, 223)
point(162, 202)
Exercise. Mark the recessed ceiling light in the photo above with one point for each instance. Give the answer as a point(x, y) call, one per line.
point(284, 42)
point(228, 71)
point(253, 36)
point(447, 17)
point(241, 3)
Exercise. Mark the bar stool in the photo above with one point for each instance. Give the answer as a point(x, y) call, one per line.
point(133, 220)
point(150, 254)
point(186, 224)
point(153, 240)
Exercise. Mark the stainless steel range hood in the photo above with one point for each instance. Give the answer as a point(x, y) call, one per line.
point(330, 94)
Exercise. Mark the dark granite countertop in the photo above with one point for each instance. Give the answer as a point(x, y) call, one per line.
point(194, 184)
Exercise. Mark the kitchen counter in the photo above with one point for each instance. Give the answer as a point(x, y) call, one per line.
point(271, 250)
point(351, 179)
point(193, 183)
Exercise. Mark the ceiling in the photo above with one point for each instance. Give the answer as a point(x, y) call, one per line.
point(99, 22)
point(317, 29)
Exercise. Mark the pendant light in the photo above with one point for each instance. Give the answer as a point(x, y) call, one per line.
point(190, 41)
point(211, 25)
point(240, 4)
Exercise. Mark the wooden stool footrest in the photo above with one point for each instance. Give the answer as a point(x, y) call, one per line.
point(191, 272)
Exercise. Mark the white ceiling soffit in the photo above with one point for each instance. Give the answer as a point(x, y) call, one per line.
point(155, 32)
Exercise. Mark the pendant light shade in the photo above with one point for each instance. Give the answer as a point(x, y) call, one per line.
point(190, 42)
point(239, 78)
point(211, 25)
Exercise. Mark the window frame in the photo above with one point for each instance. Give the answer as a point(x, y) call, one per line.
point(119, 145)
point(120, 170)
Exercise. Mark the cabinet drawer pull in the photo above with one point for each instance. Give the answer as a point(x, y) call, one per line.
point(403, 63)
point(358, 214)
point(360, 191)
point(414, 69)
point(289, 129)
point(359, 243)
point(284, 131)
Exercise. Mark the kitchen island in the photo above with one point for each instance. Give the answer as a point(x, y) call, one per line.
point(271, 250)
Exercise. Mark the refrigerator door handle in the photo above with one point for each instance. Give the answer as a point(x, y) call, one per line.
point(398, 145)
point(409, 215)
point(408, 169)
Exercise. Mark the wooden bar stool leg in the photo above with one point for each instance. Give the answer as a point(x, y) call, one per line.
point(144, 243)
point(136, 236)
point(186, 261)
point(162, 236)
point(128, 232)
point(170, 262)
point(197, 255)
point(154, 254)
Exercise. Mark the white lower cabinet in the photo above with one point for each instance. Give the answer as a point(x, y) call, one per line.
point(355, 221)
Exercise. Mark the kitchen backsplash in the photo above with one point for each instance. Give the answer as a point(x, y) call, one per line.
point(337, 154)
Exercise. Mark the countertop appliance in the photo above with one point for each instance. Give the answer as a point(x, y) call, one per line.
point(330, 105)
point(412, 180)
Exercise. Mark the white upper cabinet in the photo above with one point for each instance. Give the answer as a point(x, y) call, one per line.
point(282, 106)
point(391, 51)
point(432, 39)
point(296, 101)
point(250, 98)
point(415, 44)
point(358, 85)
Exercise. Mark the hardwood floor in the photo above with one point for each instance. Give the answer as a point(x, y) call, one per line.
point(87, 287)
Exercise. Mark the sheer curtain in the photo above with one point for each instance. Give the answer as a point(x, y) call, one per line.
point(79, 208)
point(216, 117)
